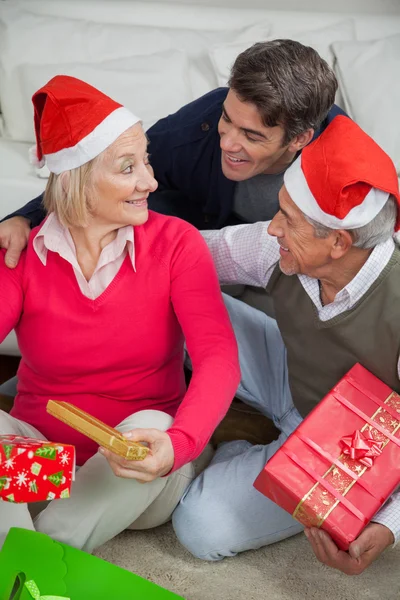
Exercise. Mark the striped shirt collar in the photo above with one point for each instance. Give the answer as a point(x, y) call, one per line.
point(348, 296)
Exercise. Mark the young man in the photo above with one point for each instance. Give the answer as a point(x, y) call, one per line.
point(220, 160)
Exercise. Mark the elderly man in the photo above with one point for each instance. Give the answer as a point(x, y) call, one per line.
point(329, 262)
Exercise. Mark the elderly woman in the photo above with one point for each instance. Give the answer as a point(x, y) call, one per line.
point(101, 303)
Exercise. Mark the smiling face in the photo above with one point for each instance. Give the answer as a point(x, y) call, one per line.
point(123, 179)
point(301, 252)
point(248, 147)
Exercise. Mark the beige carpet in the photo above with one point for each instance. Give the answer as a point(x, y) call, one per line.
point(284, 571)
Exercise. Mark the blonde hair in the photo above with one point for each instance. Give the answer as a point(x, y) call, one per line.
point(68, 195)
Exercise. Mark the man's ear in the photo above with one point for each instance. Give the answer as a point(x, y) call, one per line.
point(342, 242)
point(301, 140)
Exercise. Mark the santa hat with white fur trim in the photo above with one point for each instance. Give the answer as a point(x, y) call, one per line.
point(343, 179)
point(74, 123)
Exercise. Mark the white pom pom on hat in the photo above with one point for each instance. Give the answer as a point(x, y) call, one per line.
point(74, 123)
point(33, 158)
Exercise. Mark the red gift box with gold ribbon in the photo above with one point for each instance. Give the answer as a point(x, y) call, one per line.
point(343, 461)
point(33, 470)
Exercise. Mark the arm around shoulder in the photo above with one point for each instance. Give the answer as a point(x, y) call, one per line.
point(14, 236)
point(15, 229)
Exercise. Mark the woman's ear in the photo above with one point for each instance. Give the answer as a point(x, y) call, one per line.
point(342, 242)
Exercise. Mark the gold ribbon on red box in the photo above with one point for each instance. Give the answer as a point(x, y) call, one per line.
point(360, 449)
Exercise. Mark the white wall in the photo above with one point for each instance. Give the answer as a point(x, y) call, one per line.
point(361, 6)
point(379, 7)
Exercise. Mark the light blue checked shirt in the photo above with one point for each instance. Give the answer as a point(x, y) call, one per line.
point(247, 255)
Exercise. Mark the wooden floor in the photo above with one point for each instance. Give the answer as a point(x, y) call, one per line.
point(8, 367)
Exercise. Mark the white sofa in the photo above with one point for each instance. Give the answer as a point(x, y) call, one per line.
point(156, 57)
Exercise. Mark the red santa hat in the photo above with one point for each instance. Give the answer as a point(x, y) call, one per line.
point(343, 179)
point(74, 123)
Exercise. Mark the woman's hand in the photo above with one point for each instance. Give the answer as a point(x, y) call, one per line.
point(157, 463)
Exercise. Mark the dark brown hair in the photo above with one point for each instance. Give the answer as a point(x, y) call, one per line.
point(290, 84)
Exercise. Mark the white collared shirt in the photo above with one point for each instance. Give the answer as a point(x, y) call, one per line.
point(246, 254)
point(54, 237)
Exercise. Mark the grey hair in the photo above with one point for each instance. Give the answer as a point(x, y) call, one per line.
point(289, 83)
point(377, 231)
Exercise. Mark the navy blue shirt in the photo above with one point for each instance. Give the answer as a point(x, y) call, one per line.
point(186, 157)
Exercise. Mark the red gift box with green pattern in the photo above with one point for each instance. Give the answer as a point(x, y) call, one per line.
point(34, 470)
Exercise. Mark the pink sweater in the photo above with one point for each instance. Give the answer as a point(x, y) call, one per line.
point(122, 352)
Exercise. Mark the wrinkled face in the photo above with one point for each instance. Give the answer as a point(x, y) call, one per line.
point(123, 180)
point(301, 252)
point(248, 147)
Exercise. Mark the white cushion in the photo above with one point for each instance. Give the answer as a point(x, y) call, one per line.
point(135, 82)
point(18, 182)
point(369, 76)
point(224, 55)
point(321, 39)
point(198, 14)
point(10, 345)
point(27, 38)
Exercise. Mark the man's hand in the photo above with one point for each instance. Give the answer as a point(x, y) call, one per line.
point(14, 235)
point(362, 552)
point(157, 463)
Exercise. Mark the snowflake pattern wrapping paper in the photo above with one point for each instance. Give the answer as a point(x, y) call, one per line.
point(34, 470)
point(342, 463)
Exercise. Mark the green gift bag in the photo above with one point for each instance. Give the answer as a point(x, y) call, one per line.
point(48, 570)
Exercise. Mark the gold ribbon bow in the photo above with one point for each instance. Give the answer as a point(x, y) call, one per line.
point(35, 592)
